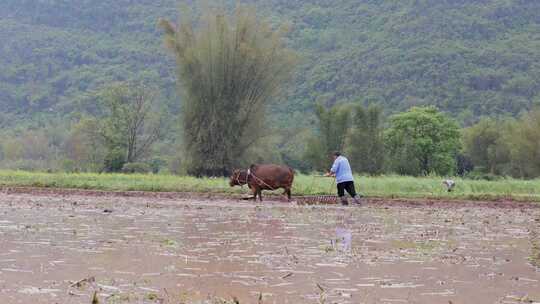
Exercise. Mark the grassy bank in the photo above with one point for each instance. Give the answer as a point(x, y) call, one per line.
point(382, 186)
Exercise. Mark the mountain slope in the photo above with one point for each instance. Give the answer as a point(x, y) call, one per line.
point(471, 57)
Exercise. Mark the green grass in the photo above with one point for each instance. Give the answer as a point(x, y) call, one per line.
point(382, 186)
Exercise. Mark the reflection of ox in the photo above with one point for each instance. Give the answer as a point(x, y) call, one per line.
point(264, 177)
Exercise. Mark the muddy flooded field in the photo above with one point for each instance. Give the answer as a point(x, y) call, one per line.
point(58, 248)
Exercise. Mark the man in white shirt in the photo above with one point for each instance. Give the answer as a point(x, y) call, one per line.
point(341, 169)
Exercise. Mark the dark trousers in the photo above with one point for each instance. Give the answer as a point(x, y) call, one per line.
point(349, 186)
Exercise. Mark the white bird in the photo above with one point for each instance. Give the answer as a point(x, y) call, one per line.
point(450, 184)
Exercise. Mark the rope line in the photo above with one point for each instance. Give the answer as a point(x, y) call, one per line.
point(258, 179)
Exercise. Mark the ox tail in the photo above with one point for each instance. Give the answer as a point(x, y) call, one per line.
point(292, 172)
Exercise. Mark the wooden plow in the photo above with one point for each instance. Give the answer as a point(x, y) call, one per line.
point(316, 200)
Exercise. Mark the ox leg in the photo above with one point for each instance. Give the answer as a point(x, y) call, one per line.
point(260, 194)
point(288, 192)
point(254, 191)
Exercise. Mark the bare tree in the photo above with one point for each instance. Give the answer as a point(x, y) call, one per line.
point(130, 125)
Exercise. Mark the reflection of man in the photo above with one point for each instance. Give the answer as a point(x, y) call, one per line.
point(341, 169)
point(344, 238)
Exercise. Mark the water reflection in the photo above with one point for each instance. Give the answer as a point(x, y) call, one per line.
point(343, 239)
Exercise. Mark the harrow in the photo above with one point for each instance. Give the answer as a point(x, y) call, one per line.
point(317, 199)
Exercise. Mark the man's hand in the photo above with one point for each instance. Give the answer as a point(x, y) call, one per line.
point(329, 174)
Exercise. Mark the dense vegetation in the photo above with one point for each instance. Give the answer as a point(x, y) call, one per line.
point(469, 58)
point(506, 147)
point(420, 141)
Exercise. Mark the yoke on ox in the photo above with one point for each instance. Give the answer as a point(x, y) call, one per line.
point(264, 177)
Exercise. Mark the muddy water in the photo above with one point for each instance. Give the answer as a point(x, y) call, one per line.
point(57, 249)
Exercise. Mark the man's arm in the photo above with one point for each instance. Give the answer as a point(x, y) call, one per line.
point(334, 169)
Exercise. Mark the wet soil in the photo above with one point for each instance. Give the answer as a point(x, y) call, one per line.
point(61, 246)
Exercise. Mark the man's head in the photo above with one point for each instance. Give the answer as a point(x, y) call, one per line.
point(336, 154)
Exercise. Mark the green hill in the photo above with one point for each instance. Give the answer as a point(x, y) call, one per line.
point(471, 57)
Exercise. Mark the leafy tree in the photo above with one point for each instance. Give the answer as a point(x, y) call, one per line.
point(484, 146)
point(464, 164)
point(230, 69)
point(422, 141)
point(506, 147)
point(130, 125)
point(365, 144)
point(523, 143)
point(333, 125)
point(85, 146)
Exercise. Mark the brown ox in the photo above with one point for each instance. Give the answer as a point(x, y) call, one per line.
point(264, 177)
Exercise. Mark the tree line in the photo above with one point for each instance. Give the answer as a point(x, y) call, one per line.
point(507, 146)
point(423, 141)
point(420, 141)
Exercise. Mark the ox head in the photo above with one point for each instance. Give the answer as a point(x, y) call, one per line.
point(238, 178)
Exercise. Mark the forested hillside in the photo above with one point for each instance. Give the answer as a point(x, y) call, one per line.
point(472, 57)
point(477, 56)
point(54, 52)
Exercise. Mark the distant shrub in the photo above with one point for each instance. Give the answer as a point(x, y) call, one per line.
point(478, 175)
point(176, 166)
point(115, 161)
point(136, 168)
point(157, 164)
point(69, 166)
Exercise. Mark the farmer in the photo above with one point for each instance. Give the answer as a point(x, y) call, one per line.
point(341, 170)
